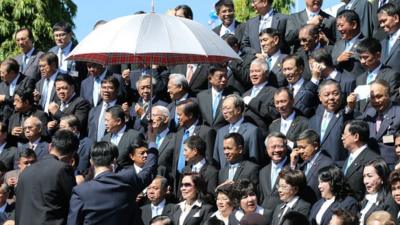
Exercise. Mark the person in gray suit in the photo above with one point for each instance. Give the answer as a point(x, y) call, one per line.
point(363, 10)
point(343, 52)
point(290, 123)
point(311, 15)
point(226, 13)
point(232, 110)
point(387, 16)
point(237, 167)
point(267, 18)
point(277, 151)
point(29, 57)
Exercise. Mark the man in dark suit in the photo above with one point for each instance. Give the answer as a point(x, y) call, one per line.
point(260, 108)
point(232, 110)
point(267, 18)
point(387, 16)
point(156, 193)
point(363, 10)
point(311, 15)
point(329, 119)
point(210, 100)
point(310, 158)
point(9, 153)
point(343, 52)
point(237, 167)
point(29, 57)
point(91, 86)
point(45, 92)
point(383, 120)
point(165, 139)
point(109, 98)
point(68, 102)
point(7, 210)
point(194, 152)
point(32, 132)
point(55, 177)
point(226, 13)
point(322, 68)
point(12, 80)
point(178, 90)
point(277, 149)
point(355, 138)
point(196, 76)
point(378, 31)
point(189, 120)
point(304, 92)
point(62, 33)
point(290, 122)
point(115, 192)
point(370, 57)
point(119, 134)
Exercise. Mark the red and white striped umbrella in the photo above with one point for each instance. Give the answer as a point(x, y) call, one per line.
point(152, 39)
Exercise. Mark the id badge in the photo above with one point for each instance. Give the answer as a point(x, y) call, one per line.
point(388, 139)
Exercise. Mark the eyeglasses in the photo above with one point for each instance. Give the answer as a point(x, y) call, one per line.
point(187, 185)
point(28, 162)
point(60, 35)
point(283, 187)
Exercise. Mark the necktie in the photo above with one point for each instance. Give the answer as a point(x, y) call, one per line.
point(308, 167)
point(274, 174)
point(254, 92)
point(181, 159)
point(325, 122)
point(231, 173)
point(190, 71)
point(60, 57)
point(96, 90)
point(391, 42)
point(101, 128)
point(25, 60)
point(232, 128)
point(378, 122)
point(348, 163)
point(176, 118)
point(370, 78)
point(158, 141)
point(145, 107)
point(282, 212)
point(63, 105)
point(381, 3)
point(114, 139)
point(215, 104)
point(44, 93)
point(269, 62)
point(284, 126)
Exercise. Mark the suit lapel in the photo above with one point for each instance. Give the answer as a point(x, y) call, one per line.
point(275, 21)
point(194, 210)
point(386, 121)
point(195, 74)
point(393, 49)
point(303, 17)
point(238, 171)
point(208, 105)
point(164, 144)
point(332, 123)
point(355, 164)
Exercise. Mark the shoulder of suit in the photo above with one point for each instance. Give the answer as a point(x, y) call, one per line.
point(248, 163)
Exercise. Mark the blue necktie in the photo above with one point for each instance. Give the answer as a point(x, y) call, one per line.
point(158, 141)
point(181, 159)
point(370, 78)
point(215, 104)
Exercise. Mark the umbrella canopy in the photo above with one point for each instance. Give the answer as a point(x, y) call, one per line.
point(152, 39)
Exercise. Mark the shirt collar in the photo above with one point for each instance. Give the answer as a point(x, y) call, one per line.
point(183, 204)
point(192, 127)
point(292, 201)
point(137, 168)
point(53, 76)
point(298, 83)
point(184, 97)
point(214, 91)
point(238, 123)
point(14, 82)
point(102, 75)
point(376, 70)
point(199, 165)
point(358, 151)
point(309, 13)
point(395, 34)
point(161, 204)
point(260, 86)
point(121, 131)
point(112, 103)
point(280, 164)
point(29, 54)
point(67, 48)
point(164, 132)
point(231, 28)
point(354, 39)
point(372, 197)
point(268, 14)
point(289, 118)
point(333, 74)
point(315, 156)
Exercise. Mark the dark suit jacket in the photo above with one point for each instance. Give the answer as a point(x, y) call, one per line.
point(300, 206)
point(199, 80)
point(385, 73)
point(247, 170)
point(39, 87)
point(390, 124)
point(166, 151)
point(56, 180)
point(306, 100)
point(141, 124)
point(239, 72)
point(238, 32)
point(298, 125)
point(364, 11)
point(88, 83)
point(347, 82)
point(384, 202)
point(352, 65)
point(297, 20)
point(349, 204)
point(41, 150)
point(354, 173)
point(145, 212)
point(391, 58)
point(32, 68)
point(261, 110)
point(171, 107)
point(331, 142)
point(275, 75)
point(202, 214)
point(110, 197)
point(124, 144)
point(269, 198)
point(6, 107)
point(210, 175)
point(85, 145)
point(251, 42)
point(253, 144)
point(204, 99)
point(9, 156)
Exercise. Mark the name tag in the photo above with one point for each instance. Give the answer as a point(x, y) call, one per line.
point(388, 139)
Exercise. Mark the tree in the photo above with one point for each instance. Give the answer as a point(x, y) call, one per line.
point(37, 15)
point(244, 11)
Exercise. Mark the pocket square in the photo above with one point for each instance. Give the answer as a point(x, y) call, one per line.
point(196, 214)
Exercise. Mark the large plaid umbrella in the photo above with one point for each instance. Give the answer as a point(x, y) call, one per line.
point(152, 39)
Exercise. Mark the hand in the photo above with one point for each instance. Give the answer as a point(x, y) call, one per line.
point(12, 181)
point(323, 39)
point(344, 57)
point(17, 131)
point(52, 124)
point(294, 157)
point(9, 222)
point(316, 69)
point(151, 133)
point(2, 98)
point(125, 75)
point(139, 110)
point(351, 100)
point(79, 179)
point(53, 108)
point(125, 108)
point(261, 56)
point(36, 95)
point(316, 20)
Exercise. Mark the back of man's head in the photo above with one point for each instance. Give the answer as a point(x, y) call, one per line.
point(64, 143)
point(103, 153)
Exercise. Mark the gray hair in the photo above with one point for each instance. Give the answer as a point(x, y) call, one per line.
point(310, 135)
point(163, 110)
point(179, 80)
point(275, 134)
point(163, 182)
point(237, 101)
point(38, 123)
point(262, 63)
point(144, 77)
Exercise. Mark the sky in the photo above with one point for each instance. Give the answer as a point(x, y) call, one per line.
point(90, 11)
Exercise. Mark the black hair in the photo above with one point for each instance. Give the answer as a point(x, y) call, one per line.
point(103, 153)
point(65, 142)
point(220, 3)
point(337, 182)
point(50, 58)
point(62, 26)
point(370, 45)
point(187, 11)
point(196, 142)
point(190, 108)
point(322, 56)
point(350, 16)
point(117, 112)
point(359, 127)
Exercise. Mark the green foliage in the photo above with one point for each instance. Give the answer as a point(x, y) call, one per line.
point(38, 15)
point(244, 11)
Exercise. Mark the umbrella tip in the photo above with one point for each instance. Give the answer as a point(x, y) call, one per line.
point(152, 6)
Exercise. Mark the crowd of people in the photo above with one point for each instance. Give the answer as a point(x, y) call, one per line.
point(303, 130)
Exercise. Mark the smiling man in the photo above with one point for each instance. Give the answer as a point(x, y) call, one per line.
point(226, 13)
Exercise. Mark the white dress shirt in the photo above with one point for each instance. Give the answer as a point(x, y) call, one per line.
point(322, 210)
